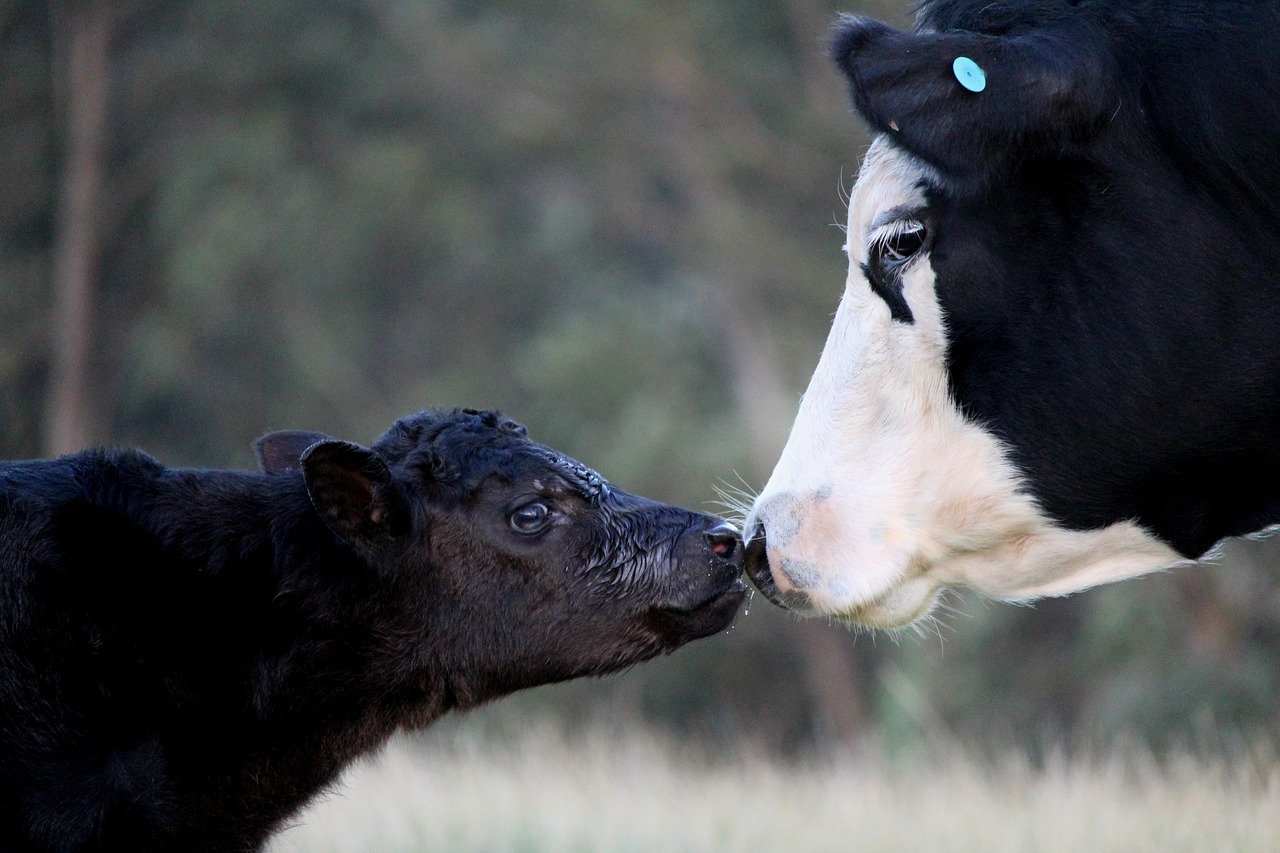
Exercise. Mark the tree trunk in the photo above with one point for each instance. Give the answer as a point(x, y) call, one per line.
point(81, 33)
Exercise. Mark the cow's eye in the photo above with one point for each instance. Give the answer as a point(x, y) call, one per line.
point(890, 249)
point(530, 518)
point(898, 241)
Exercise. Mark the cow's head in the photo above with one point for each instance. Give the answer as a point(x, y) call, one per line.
point(1055, 361)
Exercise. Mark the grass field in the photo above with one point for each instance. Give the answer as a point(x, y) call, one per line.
point(471, 787)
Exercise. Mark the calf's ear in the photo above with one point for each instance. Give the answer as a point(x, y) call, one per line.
point(353, 491)
point(971, 104)
point(282, 450)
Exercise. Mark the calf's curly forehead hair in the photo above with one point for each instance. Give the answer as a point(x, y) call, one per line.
point(445, 444)
point(426, 426)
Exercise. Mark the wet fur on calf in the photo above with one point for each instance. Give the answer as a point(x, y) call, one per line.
point(186, 656)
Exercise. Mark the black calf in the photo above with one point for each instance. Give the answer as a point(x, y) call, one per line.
point(186, 656)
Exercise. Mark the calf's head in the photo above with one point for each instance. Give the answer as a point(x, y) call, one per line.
point(524, 566)
point(1055, 360)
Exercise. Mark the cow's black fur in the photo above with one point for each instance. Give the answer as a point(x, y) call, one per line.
point(186, 656)
point(1105, 231)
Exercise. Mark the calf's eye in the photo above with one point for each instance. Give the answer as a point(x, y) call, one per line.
point(530, 518)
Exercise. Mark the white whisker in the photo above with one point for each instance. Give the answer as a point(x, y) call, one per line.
point(735, 500)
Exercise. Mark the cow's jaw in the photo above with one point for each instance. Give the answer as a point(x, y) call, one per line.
point(885, 493)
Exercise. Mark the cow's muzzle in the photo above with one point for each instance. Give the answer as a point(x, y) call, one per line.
point(761, 574)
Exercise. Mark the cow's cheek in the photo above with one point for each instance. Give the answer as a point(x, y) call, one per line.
point(838, 512)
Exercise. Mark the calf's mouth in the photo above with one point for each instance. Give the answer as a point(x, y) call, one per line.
point(709, 616)
point(709, 605)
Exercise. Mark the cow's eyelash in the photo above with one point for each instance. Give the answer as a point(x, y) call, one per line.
point(884, 237)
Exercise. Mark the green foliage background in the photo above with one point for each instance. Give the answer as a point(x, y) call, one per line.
point(618, 221)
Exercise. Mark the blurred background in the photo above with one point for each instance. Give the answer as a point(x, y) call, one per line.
point(618, 221)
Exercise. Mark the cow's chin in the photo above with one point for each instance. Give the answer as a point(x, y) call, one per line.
point(899, 601)
point(899, 605)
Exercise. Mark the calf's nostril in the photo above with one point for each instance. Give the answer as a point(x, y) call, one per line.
point(723, 539)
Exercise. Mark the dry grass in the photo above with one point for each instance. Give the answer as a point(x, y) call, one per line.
point(468, 789)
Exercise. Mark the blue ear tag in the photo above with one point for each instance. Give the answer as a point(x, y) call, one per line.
point(969, 74)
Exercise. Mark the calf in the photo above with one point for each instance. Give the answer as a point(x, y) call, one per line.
point(1056, 361)
point(187, 656)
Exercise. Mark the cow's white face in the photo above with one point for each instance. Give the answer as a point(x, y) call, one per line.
point(885, 493)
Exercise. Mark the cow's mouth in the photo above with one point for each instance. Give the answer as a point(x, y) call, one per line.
point(757, 568)
point(900, 604)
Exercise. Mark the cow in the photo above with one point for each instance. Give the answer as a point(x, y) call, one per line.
point(1056, 360)
point(187, 656)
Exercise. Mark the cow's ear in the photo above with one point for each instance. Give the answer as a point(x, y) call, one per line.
point(970, 104)
point(282, 450)
point(353, 491)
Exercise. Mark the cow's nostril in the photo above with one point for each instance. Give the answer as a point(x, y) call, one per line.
point(723, 539)
point(757, 566)
point(756, 549)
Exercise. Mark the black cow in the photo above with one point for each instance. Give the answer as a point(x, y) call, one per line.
point(1057, 359)
point(186, 656)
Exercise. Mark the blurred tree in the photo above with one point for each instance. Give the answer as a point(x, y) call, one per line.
point(81, 44)
point(27, 185)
